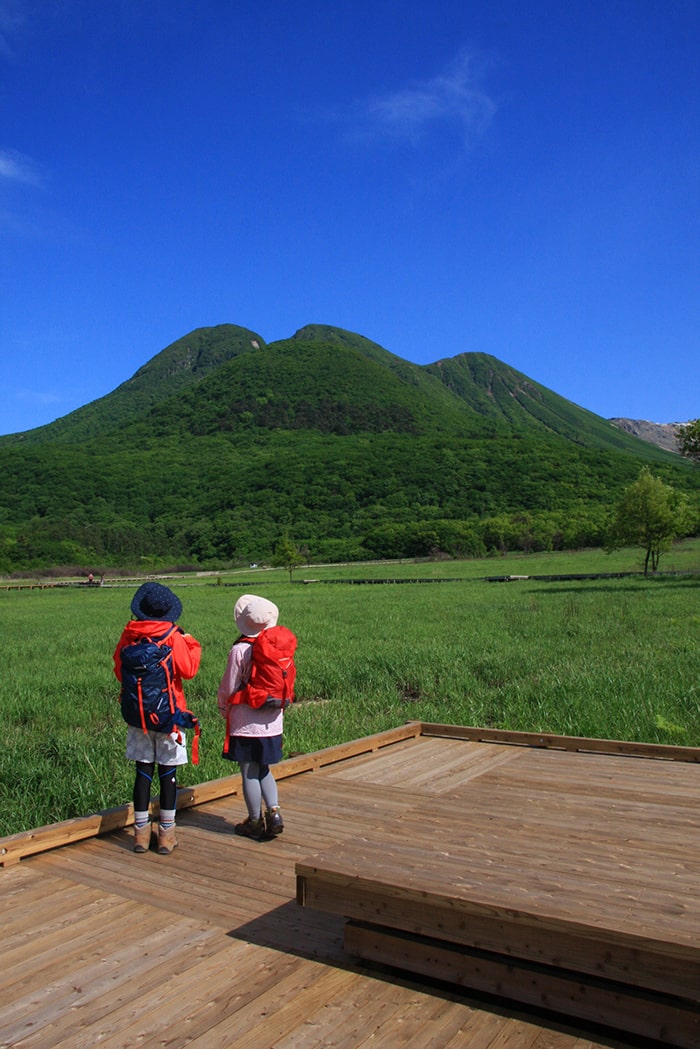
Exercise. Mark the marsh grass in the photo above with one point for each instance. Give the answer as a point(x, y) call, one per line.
point(613, 658)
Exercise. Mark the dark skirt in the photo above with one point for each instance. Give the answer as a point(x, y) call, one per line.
point(264, 750)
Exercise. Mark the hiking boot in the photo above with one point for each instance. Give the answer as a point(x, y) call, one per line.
point(142, 838)
point(274, 824)
point(251, 828)
point(166, 840)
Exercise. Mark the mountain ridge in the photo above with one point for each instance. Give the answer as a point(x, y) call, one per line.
point(223, 443)
point(493, 393)
point(186, 361)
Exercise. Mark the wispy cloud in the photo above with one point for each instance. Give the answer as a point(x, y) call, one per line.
point(43, 397)
point(454, 98)
point(18, 168)
point(11, 19)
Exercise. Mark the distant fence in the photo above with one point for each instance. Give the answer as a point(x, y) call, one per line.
point(566, 577)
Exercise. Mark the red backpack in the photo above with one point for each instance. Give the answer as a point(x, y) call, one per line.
point(273, 671)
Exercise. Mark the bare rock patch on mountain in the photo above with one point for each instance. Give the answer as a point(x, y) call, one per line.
point(663, 435)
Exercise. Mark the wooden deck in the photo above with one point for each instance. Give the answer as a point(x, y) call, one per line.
point(539, 850)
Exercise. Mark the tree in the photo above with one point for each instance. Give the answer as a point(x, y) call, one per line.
point(689, 440)
point(286, 555)
point(650, 514)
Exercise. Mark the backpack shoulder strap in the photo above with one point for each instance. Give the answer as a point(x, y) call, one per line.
point(160, 639)
point(166, 635)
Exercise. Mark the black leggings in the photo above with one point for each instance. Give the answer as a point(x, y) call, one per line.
point(142, 785)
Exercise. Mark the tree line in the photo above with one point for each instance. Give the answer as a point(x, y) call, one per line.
point(138, 501)
point(650, 514)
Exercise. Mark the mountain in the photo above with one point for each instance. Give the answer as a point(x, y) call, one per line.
point(495, 390)
point(180, 366)
point(227, 379)
point(663, 435)
point(223, 443)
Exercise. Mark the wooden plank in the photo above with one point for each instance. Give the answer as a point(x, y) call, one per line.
point(195, 947)
point(321, 1020)
point(371, 1016)
point(54, 943)
point(561, 829)
point(668, 1019)
point(626, 826)
point(98, 990)
point(507, 928)
point(58, 904)
point(15, 847)
point(215, 1004)
point(349, 808)
point(519, 1033)
point(189, 1001)
point(286, 1006)
point(59, 911)
point(670, 782)
point(582, 744)
point(409, 1017)
point(393, 766)
point(663, 883)
point(447, 1022)
point(458, 761)
point(42, 992)
point(218, 904)
point(415, 1024)
point(457, 878)
point(535, 806)
point(514, 938)
point(343, 751)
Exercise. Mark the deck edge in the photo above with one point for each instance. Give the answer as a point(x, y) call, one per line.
point(15, 847)
point(551, 741)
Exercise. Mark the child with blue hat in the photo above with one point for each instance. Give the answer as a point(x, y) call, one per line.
point(156, 609)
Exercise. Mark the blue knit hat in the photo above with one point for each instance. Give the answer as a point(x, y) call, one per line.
point(155, 601)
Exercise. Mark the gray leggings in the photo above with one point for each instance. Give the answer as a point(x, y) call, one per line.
point(258, 786)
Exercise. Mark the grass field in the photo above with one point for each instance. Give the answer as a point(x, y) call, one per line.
point(612, 658)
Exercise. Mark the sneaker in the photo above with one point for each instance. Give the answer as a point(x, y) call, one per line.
point(142, 838)
point(251, 828)
point(166, 840)
point(274, 824)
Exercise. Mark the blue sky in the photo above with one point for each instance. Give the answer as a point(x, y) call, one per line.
point(520, 179)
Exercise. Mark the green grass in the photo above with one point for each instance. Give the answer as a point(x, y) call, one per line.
point(611, 658)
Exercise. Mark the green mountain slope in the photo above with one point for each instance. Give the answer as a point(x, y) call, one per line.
point(330, 386)
point(181, 365)
point(227, 379)
point(222, 443)
point(497, 391)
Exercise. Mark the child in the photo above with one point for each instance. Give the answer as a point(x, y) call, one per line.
point(254, 734)
point(156, 610)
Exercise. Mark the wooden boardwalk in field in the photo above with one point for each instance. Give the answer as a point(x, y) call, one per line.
point(448, 851)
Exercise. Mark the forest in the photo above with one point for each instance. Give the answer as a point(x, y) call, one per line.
point(222, 445)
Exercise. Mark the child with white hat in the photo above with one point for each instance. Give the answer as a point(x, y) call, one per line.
point(254, 733)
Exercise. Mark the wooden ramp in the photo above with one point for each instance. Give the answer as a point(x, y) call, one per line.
point(209, 948)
